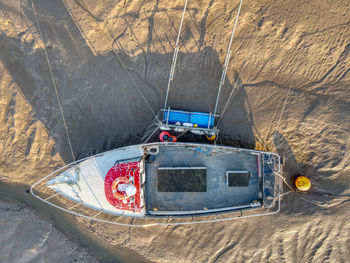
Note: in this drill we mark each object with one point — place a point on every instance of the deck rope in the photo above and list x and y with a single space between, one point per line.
284 180
54 82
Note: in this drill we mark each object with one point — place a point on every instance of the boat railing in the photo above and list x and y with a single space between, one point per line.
272 184
83 212
122 218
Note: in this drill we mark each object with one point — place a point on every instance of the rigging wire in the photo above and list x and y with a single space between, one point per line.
282 111
227 59
230 96
129 73
176 51
284 104
235 87
54 82
149 137
120 60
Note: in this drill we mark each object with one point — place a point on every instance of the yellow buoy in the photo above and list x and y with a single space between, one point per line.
303 183
195 125
211 137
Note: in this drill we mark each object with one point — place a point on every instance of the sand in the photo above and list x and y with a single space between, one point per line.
27 238
291 64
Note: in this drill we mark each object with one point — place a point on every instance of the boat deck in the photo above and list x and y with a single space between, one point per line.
216 195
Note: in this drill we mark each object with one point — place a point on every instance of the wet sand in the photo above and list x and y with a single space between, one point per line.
290 62
47 234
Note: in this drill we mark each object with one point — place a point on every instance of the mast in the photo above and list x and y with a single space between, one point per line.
227 59
176 51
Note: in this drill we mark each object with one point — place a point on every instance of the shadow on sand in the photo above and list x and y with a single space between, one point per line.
102 107
318 198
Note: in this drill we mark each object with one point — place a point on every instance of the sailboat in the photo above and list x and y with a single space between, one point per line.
170 182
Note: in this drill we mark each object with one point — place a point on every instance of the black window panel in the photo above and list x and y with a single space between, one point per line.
182 180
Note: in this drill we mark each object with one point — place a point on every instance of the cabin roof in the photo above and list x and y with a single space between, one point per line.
217 193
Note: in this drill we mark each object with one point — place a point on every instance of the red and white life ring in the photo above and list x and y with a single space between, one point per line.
118 194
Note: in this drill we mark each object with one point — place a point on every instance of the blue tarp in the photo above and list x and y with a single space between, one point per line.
199 118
